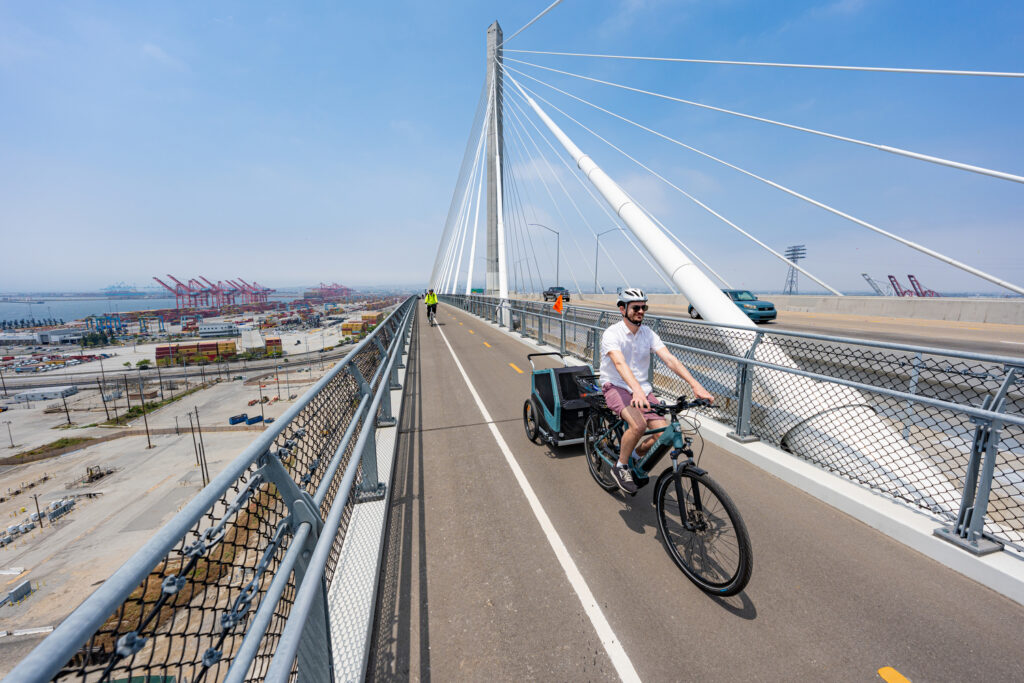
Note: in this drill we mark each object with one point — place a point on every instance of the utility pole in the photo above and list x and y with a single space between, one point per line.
126 397
195 447
160 380
67 413
9 435
202 447
103 398
39 515
3 382
278 376
145 419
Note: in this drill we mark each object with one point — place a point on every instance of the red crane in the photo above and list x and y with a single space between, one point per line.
179 291
899 290
919 289
193 296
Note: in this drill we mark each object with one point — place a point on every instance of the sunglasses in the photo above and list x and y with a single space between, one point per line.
634 309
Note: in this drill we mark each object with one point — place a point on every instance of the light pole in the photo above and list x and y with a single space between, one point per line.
597 243
9 435
558 246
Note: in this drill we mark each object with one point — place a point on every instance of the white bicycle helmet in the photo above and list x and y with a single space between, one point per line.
631 294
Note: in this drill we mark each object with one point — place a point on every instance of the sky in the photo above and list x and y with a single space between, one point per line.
293 143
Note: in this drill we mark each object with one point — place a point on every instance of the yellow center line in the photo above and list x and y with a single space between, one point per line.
460 323
487 345
472 332
513 366
891 675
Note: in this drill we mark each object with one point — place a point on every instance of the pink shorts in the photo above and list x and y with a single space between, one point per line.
618 399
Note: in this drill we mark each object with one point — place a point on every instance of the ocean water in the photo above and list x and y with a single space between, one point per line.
76 310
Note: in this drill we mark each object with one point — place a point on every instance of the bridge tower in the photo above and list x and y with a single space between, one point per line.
497 274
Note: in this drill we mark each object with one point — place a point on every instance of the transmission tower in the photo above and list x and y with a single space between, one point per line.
794 254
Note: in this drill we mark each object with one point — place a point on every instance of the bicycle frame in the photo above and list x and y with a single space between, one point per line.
671 441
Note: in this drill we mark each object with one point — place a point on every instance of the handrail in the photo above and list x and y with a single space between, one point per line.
52 654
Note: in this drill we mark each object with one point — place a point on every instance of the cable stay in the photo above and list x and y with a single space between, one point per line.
513 190
531 22
482 110
476 231
564 222
833 67
690 197
883 148
853 219
462 222
523 188
616 221
551 170
657 271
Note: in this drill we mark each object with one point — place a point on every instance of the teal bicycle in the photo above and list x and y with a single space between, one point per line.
700 526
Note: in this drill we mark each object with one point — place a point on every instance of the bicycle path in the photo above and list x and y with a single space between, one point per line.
472 589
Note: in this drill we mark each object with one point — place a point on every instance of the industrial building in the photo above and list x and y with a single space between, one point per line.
44 394
218 330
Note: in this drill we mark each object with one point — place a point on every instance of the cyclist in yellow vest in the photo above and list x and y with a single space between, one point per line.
431 301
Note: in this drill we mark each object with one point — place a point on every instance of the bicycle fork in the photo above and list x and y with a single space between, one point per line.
677 481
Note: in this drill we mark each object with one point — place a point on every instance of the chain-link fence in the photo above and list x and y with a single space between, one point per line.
939 429
211 595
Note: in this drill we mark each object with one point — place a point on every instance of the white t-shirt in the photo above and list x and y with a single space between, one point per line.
636 348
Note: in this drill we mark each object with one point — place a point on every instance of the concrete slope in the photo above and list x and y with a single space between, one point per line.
830 597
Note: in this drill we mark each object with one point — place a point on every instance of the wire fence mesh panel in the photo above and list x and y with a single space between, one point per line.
906 429
202 584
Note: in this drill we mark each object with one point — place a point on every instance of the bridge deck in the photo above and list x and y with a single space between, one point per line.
471 588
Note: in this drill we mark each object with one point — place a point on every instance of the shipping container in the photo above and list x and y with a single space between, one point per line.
254 419
235 419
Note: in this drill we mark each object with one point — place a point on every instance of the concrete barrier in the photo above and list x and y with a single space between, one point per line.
975 310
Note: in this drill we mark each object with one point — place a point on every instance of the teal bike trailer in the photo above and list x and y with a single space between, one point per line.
556 411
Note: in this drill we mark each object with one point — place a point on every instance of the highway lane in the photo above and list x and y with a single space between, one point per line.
991 338
830 598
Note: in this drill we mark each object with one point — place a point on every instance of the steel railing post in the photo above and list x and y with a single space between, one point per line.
540 329
969 530
744 394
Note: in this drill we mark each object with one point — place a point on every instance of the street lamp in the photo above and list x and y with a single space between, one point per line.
558 240
597 243
8 423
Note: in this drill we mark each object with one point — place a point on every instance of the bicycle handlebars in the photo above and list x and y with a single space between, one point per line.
680 406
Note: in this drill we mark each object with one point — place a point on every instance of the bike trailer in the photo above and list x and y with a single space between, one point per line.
556 410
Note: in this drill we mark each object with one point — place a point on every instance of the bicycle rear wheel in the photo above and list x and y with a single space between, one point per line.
597 435
710 544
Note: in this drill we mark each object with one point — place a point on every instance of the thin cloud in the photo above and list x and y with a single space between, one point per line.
157 54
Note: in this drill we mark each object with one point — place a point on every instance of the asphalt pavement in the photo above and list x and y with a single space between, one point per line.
472 589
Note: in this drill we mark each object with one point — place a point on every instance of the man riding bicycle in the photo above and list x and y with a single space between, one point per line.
626 349
431 301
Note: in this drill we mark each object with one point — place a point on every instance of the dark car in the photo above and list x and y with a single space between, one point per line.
757 310
552 293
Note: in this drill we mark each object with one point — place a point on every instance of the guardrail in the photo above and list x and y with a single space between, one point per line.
234 587
942 430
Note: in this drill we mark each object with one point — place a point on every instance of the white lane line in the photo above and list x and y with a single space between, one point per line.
611 643
1003 341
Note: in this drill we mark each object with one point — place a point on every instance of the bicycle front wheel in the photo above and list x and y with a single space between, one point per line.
703 533
598 436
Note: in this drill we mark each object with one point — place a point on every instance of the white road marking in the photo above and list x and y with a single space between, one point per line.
1010 342
611 643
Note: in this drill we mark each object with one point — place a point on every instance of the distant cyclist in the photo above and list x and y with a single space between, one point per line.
626 349
431 301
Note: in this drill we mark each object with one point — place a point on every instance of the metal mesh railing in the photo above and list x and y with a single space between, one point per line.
922 425
183 605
